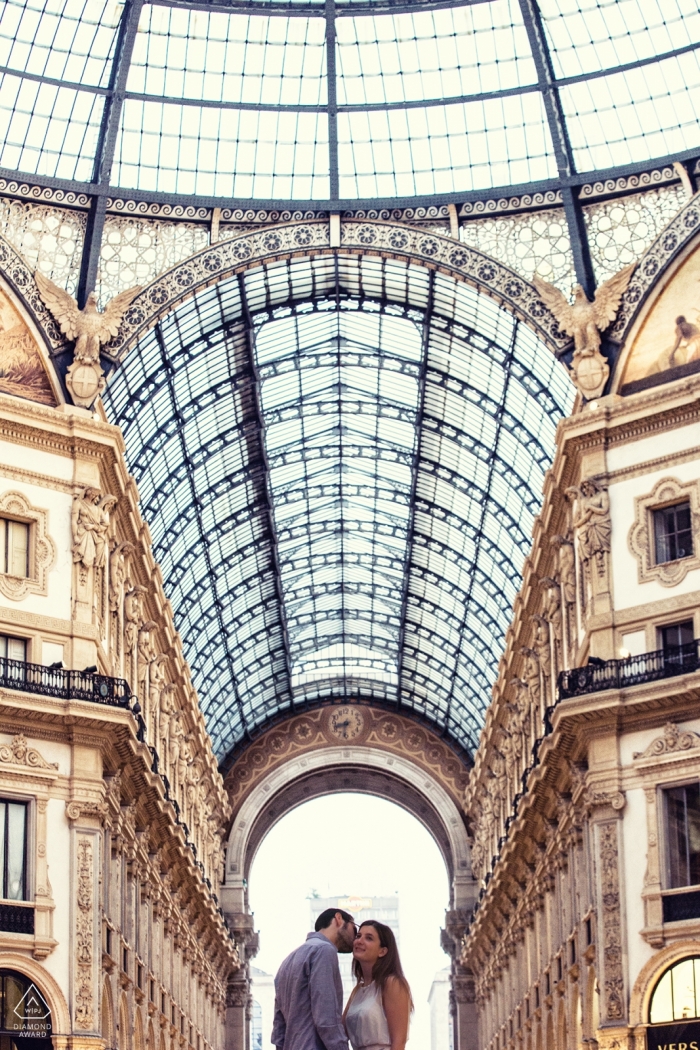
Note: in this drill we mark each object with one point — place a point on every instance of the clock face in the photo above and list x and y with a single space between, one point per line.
346 723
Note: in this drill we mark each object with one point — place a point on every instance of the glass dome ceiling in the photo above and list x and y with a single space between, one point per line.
345 101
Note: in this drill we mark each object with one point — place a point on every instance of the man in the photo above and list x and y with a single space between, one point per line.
308 989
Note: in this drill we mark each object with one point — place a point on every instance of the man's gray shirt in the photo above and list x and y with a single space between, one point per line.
309 999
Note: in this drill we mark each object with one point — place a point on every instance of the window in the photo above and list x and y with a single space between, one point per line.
673 534
677 995
13 845
13 648
14 547
683 835
676 634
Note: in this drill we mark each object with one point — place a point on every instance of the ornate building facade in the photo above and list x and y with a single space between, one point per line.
349 442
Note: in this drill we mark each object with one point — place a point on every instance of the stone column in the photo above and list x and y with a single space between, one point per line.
462 999
238 988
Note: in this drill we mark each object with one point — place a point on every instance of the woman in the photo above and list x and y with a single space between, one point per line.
377 1013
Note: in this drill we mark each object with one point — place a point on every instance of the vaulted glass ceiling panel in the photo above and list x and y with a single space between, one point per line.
586 36
341 498
48 130
400 152
71 40
630 115
218 57
439 54
222 152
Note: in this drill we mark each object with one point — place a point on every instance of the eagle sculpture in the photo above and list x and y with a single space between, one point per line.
89 328
584 321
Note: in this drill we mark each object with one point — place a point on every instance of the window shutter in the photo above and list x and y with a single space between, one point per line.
18 548
16 649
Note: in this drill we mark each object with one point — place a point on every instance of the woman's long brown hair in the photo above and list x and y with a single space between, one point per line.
388 965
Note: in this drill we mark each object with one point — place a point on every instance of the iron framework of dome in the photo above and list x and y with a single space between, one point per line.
340 456
345 105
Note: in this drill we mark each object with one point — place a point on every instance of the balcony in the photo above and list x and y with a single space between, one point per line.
635 670
65 685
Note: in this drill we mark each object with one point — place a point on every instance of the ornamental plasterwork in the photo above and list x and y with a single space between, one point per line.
529 243
19 753
50 239
671 741
135 250
620 231
387 240
42 549
356 725
84 934
21 277
663 250
641 536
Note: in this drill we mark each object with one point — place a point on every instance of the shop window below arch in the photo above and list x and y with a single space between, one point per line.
676 996
25 1016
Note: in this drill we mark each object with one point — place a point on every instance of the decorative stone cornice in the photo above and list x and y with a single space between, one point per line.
19 753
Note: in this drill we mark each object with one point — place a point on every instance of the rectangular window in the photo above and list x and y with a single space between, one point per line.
683 835
676 634
13 846
673 534
13 648
14 547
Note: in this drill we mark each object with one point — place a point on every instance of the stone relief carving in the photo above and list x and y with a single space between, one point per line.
84 935
19 753
672 740
89 330
641 541
584 321
609 888
90 525
42 549
592 521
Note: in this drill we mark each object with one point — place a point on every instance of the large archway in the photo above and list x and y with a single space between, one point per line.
392 758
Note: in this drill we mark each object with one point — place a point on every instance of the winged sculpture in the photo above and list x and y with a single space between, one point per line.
584 321
89 329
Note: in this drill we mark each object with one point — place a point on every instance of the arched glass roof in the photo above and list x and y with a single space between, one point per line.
340 459
339 101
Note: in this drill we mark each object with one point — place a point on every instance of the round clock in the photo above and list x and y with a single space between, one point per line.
346 723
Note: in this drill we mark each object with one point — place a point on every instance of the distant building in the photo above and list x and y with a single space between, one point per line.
262 989
441 1026
384 909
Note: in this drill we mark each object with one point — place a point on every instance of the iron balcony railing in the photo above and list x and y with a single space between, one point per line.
66 685
634 670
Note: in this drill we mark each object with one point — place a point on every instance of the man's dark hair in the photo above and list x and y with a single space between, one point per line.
326 918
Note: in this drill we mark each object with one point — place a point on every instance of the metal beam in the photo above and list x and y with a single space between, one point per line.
410 528
482 518
106 144
203 538
560 140
256 445
332 94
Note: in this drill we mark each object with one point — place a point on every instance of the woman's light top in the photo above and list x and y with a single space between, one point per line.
366 1021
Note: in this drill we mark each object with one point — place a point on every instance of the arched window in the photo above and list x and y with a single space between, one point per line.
677 994
256 1033
25 1017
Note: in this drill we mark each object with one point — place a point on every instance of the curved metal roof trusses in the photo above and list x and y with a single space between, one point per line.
340 458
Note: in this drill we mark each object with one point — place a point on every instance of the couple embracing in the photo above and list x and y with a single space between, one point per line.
309 993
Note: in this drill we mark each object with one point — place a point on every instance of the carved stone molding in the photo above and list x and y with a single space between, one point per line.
672 740
665 493
18 753
613 997
318 729
78 808
84 934
42 549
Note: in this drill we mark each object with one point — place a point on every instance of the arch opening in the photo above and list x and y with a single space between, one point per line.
372 856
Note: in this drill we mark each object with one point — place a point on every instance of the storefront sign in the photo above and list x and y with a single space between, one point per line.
683 1035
